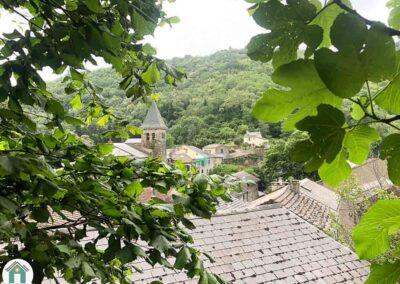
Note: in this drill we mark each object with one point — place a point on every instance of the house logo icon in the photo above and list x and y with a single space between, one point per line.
17 271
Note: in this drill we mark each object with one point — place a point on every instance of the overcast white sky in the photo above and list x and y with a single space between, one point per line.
210 25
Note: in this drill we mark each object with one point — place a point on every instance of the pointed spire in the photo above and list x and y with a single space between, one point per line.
154 119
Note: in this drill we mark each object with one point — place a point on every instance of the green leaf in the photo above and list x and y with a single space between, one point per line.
325 20
6 166
160 243
152 74
93 5
371 235
134 189
109 209
390 150
73 120
258 48
126 82
335 172
39 253
174 20
386 273
182 258
142 26
54 107
129 253
75 75
88 270
8 204
40 214
389 97
103 120
76 102
72 5
105 148
348 33
358 141
326 131
394 18
312 38
342 73
357 113
379 56
64 249
288 25
307 91
134 130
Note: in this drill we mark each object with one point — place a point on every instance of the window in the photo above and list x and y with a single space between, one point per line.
148 136
222 151
163 135
153 136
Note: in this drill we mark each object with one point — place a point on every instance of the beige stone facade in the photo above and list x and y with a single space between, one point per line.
155 139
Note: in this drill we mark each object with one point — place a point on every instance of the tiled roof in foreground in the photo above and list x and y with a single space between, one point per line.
267 244
312 202
306 207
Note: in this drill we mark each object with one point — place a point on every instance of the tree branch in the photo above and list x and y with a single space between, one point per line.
375 118
390 30
65 225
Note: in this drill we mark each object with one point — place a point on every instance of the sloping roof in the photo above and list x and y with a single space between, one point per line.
181 156
313 202
306 207
236 203
243 176
265 245
253 134
122 149
240 153
212 146
373 174
153 119
320 193
133 141
197 150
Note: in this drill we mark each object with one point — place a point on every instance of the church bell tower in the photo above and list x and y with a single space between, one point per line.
154 134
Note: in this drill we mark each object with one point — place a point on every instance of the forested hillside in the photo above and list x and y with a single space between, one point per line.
212 105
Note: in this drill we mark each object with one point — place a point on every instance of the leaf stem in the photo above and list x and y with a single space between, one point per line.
320 11
370 98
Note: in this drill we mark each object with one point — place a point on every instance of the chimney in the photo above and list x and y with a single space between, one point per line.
275 185
295 186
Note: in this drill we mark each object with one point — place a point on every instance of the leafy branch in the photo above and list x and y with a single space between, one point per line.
372 115
391 31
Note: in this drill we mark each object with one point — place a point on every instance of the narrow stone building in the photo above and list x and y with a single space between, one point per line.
154 134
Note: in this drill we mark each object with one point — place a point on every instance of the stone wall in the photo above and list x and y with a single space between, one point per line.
155 139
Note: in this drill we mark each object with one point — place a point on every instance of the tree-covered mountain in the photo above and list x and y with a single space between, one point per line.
213 105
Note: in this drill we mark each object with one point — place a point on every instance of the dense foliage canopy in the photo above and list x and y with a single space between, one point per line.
344 54
54 187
